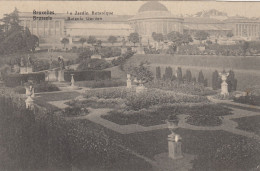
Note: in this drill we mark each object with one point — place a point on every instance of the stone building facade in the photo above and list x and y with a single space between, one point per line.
151 17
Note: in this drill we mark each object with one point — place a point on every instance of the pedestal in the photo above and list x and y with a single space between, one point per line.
128 81
224 89
52 76
29 102
61 76
174 147
29 70
23 70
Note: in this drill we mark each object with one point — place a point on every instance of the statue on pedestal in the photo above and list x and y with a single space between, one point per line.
30 95
62 67
174 140
224 85
128 81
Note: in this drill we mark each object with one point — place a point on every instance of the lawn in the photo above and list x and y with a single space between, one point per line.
44 100
247 70
251 124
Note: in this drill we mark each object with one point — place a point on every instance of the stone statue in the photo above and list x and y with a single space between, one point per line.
224 85
29 62
22 62
61 62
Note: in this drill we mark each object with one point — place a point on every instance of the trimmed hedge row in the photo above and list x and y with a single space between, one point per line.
87 75
14 80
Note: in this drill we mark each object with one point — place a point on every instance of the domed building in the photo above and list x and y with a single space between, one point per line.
155 17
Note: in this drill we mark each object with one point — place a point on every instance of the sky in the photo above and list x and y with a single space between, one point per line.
248 9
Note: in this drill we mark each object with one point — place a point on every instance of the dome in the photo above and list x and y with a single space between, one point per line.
152 6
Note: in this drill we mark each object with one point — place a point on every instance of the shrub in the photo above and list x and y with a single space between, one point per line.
216 81
40 65
75 111
188 75
101 83
93 64
87 75
201 78
85 55
141 72
231 81
158 73
168 73
42 87
13 80
179 74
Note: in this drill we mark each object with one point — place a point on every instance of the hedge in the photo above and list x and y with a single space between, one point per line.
13 80
87 75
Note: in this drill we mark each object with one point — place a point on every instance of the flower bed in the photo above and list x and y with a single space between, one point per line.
109 93
187 87
158 115
94 102
158 97
74 111
251 100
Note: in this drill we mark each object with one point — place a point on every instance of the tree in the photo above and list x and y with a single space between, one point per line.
168 73
245 47
231 81
85 55
175 37
188 75
134 38
82 40
11 22
158 37
158 73
201 78
99 43
141 72
179 74
230 34
92 40
65 41
215 80
112 39
201 35
186 39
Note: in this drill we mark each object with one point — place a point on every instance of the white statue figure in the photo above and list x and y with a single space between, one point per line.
128 81
30 94
224 85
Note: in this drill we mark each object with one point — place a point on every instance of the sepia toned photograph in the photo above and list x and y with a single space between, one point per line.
129 86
